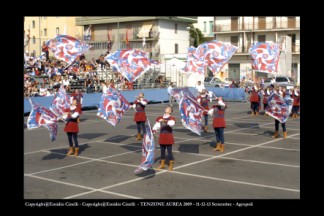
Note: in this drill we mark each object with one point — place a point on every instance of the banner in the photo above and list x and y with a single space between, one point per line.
148 147
278 107
112 106
40 116
265 57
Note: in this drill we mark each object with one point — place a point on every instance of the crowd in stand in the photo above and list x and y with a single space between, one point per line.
51 73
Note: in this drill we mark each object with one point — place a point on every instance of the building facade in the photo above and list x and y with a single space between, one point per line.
243 31
206 26
41 29
159 36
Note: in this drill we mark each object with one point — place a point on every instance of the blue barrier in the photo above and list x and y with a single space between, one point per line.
152 95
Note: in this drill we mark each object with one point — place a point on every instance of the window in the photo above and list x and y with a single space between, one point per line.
41 32
34 40
175 28
234 40
176 48
33 24
205 26
44 18
57 30
281 79
261 38
45 32
211 26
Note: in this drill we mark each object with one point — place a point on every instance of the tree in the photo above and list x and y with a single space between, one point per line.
193 34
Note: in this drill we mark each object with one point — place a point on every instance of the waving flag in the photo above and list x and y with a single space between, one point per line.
177 93
195 63
112 106
40 116
131 63
217 54
191 114
279 107
60 103
214 54
265 57
67 48
147 149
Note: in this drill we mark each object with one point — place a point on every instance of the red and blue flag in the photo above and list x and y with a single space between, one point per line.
112 106
130 63
265 56
147 149
67 48
60 103
278 107
40 116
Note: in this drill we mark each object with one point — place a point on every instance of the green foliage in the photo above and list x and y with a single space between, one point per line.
193 34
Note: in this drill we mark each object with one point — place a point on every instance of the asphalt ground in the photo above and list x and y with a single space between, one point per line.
253 166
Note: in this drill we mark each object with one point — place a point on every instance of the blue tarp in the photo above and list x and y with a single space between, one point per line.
152 95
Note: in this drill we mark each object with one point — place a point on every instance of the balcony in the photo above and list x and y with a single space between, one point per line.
258 26
295 48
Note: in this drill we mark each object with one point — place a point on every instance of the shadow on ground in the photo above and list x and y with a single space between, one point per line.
90 135
61 153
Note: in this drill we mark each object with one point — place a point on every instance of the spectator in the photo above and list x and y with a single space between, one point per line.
88 84
49 92
66 83
200 87
45 50
42 90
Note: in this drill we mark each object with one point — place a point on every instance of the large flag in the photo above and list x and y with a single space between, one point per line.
147 149
195 63
265 56
112 106
130 63
217 54
279 107
67 48
40 116
214 54
177 93
191 114
87 34
60 103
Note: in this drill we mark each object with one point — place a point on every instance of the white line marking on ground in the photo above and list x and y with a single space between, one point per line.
87 158
262 162
239 150
81 186
118 184
213 157
238 182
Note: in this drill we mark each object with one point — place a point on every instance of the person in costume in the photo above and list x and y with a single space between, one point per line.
219 124
140 116
283 125
71 128
266 93
296 96
255 100
203 101
78 96
165 124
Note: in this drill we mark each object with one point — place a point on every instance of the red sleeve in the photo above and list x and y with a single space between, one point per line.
135 102
158 118
173 118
